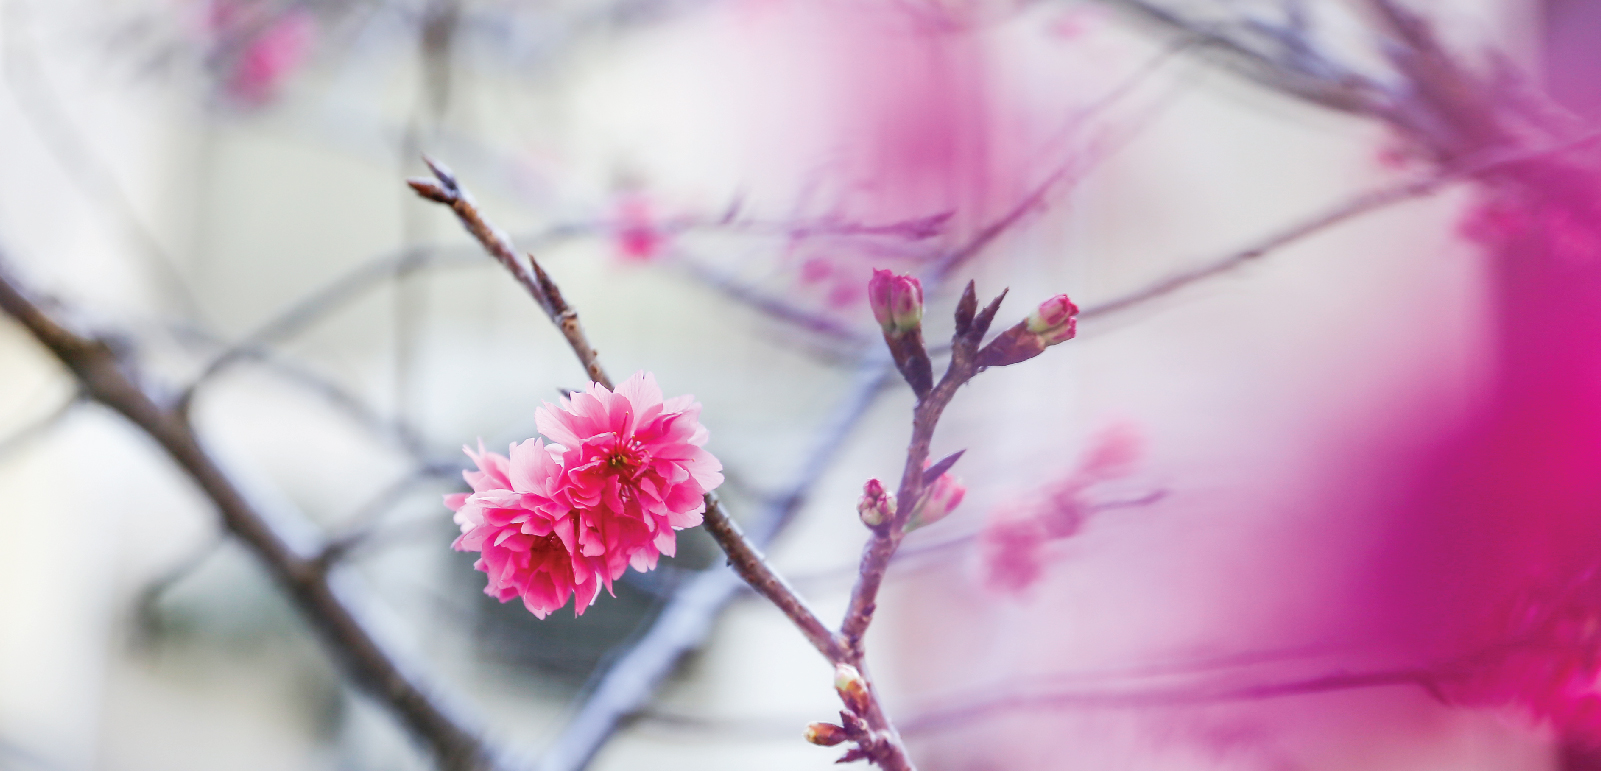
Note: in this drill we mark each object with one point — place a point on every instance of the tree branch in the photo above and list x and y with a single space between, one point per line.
103 379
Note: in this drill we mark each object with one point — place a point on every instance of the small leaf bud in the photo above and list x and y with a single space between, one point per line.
852 688
825 734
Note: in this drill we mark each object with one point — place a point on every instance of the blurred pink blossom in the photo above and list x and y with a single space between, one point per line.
638 234
258 53
1012 546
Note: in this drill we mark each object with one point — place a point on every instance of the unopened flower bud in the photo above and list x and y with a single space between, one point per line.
941 498
877 505
852 688
825 734
897 302
1055 320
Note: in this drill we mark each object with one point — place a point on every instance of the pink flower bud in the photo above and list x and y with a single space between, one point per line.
897 302
825 734
941 498
852 688
1055 321
877 505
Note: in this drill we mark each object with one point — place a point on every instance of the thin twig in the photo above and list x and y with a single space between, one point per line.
970 708
369 666
1361 204
407 437
772 306
1074 168
1300 71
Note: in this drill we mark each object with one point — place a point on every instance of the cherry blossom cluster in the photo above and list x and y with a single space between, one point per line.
625 471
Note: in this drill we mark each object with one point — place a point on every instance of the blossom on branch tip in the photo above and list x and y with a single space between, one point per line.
897 301
558 520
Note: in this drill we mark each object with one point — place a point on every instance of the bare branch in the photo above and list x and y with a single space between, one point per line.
971 708
685 622
775 307
103 379
1489 164
743 555
1282 62
1073 169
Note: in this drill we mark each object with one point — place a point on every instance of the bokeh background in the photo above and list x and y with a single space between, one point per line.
711 182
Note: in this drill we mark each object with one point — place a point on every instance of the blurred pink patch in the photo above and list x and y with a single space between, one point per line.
632 469
259 52
638 236
1012 546
1548 662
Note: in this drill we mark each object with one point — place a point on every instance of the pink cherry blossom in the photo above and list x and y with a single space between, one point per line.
524 534
632 470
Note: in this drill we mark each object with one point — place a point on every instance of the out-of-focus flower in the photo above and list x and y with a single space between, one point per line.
897 302
1012 546
1545 660
259 53
632 470
524 535
638 235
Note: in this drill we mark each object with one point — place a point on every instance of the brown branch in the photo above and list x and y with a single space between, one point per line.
744 556
1298 69
444 189
684 623
103 379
